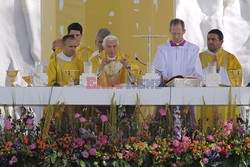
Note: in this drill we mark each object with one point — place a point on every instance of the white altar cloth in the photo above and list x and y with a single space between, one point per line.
39 96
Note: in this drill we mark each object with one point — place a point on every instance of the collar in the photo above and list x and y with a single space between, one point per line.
111 58
212 53
64 57
172 43
103 55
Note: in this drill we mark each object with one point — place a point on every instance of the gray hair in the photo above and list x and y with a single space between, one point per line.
103 32
110 38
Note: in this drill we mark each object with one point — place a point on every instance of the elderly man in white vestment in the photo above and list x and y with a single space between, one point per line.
178 57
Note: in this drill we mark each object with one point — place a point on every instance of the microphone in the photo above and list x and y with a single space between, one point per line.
136 58
56 83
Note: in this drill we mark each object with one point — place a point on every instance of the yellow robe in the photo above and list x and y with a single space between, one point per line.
121 76
82 53
57 68
213 116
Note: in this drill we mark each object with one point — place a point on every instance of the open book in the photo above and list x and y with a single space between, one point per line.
181 76
170 82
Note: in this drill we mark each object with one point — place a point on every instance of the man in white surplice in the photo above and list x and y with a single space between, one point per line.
179 57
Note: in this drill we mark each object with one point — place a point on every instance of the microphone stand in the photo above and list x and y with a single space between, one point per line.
56 84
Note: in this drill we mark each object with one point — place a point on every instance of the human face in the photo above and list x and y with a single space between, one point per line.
111 48
213 43
77 35
98 42
177 33
69 47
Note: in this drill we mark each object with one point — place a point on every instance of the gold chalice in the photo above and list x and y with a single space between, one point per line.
27 79
12 75
71 74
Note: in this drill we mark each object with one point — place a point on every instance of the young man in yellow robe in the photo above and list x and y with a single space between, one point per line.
65 67
115 68
230 70
83 53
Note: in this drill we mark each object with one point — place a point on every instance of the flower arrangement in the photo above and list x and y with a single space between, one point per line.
92 143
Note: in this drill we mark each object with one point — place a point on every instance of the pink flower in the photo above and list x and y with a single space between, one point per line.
205 160
162 111
80 142
74 157
29 121
229 126
77 115
32 146
30 126
210 137
85 154
14 159
145 126
10 163
9 143
7 124
185 139
154 145
240 130
227 132
104 118
176 143
103 140
218 149
179 150
82 119
92 151
224 123
173 165
208 153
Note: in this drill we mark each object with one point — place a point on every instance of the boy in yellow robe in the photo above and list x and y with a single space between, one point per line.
230 70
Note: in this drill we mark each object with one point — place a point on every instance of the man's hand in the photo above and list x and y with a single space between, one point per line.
165 79
125 62
105 61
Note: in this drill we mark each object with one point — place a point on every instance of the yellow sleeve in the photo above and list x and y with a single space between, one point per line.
95 64
234 71
53 55
83 53
53 72
135 69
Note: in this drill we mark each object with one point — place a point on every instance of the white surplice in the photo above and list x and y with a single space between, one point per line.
178 60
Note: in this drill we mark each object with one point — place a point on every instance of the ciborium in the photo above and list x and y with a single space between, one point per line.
12 75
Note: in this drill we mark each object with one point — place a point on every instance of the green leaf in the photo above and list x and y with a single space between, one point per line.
243 163
81 163
202 164
53 158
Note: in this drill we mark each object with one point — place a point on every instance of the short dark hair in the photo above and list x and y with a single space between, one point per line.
176 22
218 32
75 26
66 37
103 32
